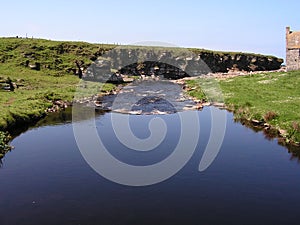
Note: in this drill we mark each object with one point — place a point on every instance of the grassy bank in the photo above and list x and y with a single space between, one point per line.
55 79
37 90
36 93
272 98
4 143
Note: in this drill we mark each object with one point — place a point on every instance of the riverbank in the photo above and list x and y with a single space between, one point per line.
38 76
269 101
263 101
36 96
4 143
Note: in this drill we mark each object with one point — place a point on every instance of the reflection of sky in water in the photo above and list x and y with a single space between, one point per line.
45 180
139 127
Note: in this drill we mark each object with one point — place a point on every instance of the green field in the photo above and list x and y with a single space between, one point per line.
273 98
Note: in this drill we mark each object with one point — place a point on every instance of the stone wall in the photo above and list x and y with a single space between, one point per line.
293 59
292 50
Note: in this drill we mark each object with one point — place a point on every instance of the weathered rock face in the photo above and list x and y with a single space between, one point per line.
175 63
101 70
240 61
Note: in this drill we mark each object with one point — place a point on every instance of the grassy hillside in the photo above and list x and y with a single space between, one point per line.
56 56
37 89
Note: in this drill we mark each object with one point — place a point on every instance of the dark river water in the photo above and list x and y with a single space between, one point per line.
46 180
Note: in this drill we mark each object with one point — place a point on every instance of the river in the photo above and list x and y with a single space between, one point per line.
45 179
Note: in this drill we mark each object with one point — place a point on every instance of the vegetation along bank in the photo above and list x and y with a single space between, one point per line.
40 76
267 100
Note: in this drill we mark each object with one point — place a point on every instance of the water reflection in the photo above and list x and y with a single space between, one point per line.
65 117
52 120
271 134
45 180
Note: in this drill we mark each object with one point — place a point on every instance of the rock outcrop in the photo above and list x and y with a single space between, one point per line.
175 63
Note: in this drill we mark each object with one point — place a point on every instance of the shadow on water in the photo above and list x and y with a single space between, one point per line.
272 134
52 119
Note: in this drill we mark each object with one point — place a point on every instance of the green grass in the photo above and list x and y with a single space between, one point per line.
256 96
205 89
194 89
270 97
4 143
34 96
38 89
57 56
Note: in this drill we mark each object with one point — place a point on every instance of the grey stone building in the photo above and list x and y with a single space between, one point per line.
292 50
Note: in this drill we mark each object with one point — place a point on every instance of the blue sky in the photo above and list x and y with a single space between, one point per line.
253 26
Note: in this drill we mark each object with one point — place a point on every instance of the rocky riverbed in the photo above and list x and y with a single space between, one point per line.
147 96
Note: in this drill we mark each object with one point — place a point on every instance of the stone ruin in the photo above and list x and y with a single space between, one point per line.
292 50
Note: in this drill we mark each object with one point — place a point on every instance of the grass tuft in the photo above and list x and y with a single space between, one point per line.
270 116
